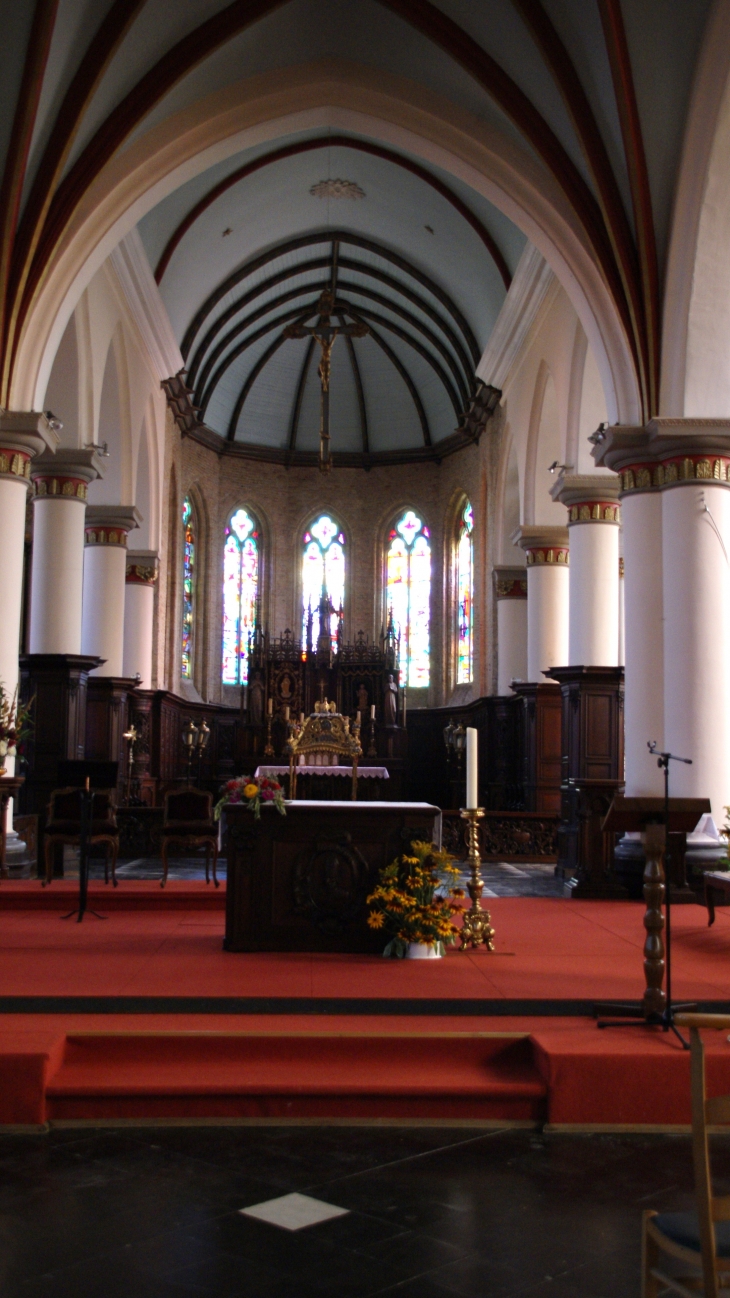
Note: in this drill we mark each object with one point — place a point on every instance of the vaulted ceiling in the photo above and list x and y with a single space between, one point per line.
244 251
594 91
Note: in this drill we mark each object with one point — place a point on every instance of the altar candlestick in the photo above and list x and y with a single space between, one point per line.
472 798
301 718
357 718
286 713
372 711
270 707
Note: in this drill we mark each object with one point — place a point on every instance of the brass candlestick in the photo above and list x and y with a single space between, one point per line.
372 750
130 736
477 927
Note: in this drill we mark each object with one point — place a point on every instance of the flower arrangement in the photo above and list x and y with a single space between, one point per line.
415 899
15 725
252 792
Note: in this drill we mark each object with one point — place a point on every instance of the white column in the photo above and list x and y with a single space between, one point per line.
676 520
105 566
697 639
621 611
23 435
593 524
644 640
547 597
139 610
510 588
59 510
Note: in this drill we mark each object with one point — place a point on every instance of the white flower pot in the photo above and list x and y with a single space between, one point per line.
424 951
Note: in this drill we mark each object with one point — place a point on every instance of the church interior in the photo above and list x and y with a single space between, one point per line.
364 590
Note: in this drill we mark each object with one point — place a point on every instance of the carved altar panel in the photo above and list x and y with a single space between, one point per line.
299 882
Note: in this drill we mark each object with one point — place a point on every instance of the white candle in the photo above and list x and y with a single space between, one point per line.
472 769
372 711
286 713
357 718
270 706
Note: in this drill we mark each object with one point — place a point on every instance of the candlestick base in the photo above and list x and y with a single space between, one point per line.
477 926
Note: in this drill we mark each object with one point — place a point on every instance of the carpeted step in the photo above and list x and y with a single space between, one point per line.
130 895
203 1074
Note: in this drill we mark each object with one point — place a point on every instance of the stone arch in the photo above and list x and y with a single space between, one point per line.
695 378
341 97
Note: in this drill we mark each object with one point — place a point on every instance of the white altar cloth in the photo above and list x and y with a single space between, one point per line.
363 772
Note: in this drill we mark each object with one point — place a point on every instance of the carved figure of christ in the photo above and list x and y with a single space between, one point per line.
325 333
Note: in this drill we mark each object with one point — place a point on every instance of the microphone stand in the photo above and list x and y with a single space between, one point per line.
665 1020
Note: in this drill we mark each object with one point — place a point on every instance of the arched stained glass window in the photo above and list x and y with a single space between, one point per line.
465 595
188 600
241 558
323 567
408 581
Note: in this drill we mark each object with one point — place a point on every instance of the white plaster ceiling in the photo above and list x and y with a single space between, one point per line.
400 214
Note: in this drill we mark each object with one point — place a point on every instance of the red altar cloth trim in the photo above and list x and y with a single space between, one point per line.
363 772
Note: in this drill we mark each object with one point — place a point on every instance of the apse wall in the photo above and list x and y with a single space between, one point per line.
365 503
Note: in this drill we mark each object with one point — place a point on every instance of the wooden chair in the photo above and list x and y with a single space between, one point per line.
700 1239
63 827
188 821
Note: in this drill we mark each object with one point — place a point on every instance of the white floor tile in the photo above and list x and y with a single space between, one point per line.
294 1211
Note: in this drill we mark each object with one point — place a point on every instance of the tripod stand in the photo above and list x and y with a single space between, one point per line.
649 1014
86 797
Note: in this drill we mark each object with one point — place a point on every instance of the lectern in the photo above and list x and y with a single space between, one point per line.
647 816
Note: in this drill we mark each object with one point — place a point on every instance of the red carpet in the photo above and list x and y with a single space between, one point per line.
71 1066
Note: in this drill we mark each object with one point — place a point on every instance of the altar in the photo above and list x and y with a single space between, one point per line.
299 882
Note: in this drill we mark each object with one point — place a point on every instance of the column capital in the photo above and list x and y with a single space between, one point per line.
589 497
509 582
24 434
543 543
67 473
666 452
141 567
109 524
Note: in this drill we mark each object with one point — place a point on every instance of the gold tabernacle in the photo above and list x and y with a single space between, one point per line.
325 735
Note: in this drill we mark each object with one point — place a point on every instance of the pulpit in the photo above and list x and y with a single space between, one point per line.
300 882
647 816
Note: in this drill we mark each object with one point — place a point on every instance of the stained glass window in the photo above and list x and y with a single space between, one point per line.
241 554
408 581
464 595
323 564
188 608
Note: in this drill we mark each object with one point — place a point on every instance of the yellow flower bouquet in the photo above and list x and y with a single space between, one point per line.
415 900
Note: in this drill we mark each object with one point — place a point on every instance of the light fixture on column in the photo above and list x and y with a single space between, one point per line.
557 465
54 422
102 449
599 435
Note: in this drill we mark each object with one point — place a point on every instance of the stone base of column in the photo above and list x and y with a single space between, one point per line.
585 852
58 683
592 749
106 721
541 745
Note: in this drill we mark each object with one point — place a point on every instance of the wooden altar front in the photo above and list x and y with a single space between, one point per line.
299 882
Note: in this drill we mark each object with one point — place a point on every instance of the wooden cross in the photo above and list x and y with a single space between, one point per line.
325 333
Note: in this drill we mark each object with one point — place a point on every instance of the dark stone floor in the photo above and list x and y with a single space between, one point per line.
432 1212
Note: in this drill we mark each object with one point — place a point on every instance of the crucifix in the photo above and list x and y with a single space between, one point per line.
325 333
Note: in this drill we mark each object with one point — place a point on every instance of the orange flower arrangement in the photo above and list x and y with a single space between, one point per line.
416 898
